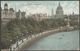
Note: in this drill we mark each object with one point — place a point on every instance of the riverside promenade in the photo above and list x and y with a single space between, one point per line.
32 39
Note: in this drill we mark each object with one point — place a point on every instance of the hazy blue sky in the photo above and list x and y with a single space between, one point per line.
43 6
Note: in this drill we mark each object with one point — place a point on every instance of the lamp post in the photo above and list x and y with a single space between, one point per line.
10 45
68 22
27 35
78 22
65 20
17 41
22 37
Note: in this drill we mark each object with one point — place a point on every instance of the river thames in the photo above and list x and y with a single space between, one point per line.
58 41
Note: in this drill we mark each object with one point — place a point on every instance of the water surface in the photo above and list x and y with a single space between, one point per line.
58 41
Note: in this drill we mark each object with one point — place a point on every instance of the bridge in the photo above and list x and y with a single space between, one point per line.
31 39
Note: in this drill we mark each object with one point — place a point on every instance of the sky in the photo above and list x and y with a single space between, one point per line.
32 7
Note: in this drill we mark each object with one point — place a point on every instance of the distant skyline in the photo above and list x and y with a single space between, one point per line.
43 6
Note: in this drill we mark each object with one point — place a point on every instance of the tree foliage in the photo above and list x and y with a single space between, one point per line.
26 27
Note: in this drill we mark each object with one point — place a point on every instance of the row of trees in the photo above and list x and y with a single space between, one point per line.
20 28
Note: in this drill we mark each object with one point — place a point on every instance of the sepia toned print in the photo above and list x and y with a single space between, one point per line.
39 25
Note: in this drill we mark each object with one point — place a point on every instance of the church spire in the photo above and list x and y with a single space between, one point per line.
59 3
15 7
52 12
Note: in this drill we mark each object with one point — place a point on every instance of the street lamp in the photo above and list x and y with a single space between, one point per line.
10 45
26 35
17 41
22 37
68 22
78 22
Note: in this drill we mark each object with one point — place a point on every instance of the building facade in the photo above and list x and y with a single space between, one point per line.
8 14
39 17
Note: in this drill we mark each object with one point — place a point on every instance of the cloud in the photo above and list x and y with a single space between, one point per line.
70 6
33 9
43 6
